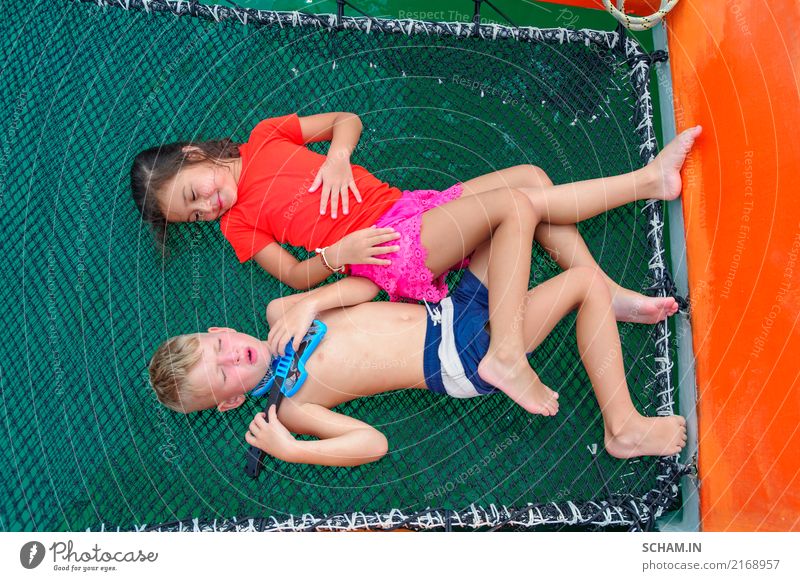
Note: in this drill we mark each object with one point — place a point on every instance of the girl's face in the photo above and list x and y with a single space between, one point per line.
201 192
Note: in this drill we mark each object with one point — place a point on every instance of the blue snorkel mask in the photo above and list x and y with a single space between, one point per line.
291 367
285 376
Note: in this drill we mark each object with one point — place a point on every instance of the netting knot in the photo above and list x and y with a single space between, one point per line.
657 56
666 284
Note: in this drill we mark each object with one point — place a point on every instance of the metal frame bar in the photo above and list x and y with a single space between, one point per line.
687 519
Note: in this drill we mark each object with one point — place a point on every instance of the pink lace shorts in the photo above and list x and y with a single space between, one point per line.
407 276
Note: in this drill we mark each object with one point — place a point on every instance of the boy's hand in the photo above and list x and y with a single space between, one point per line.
292 326
363 247
336 177
271 437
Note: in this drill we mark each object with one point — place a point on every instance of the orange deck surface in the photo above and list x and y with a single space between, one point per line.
736 70
735 66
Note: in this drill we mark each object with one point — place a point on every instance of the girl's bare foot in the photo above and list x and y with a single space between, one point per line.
517 380
667 165
641 436
632 307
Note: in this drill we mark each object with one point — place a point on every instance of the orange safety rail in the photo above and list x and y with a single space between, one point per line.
638 7
735 71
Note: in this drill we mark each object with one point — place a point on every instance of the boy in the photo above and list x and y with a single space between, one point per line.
376 347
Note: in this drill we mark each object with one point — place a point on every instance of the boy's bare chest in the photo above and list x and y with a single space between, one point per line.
359 358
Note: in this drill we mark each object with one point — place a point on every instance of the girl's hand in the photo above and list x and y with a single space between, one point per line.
292 326
272 436
336 177
362 247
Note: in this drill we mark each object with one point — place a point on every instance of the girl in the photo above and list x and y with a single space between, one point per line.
263 192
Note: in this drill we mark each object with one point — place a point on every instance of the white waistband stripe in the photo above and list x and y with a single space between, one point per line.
455 381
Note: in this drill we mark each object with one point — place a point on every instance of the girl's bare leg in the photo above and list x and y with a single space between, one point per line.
453 231
578 201
566 246
627 433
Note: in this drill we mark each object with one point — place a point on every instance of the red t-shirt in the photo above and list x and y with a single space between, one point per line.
274 204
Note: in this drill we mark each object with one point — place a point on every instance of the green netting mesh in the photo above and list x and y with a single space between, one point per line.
87 297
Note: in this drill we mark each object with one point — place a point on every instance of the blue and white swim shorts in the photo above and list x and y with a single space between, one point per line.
456 339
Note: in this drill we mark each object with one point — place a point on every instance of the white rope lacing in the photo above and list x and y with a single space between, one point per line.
638 23
436 316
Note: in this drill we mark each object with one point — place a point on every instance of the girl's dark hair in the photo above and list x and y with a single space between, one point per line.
154 167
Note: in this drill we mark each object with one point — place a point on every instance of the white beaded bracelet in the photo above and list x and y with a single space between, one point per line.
321 252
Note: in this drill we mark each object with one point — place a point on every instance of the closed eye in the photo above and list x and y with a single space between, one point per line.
196 215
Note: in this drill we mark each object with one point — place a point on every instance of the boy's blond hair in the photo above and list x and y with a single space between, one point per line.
169 368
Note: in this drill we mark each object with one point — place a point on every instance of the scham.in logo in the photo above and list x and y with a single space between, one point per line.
31 554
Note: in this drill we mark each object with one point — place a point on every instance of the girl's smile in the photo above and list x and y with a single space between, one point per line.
202 192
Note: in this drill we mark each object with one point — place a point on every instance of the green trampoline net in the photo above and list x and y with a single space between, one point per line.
88 297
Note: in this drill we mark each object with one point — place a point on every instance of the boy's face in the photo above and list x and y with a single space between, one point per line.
231 365
200 192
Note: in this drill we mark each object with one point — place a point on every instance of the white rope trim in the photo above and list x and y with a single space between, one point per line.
600 513
639 23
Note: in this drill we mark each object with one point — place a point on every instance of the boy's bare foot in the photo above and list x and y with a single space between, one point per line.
667 165
641 436
632 307
517 380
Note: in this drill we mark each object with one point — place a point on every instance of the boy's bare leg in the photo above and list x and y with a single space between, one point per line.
507 219
627 433
566 246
